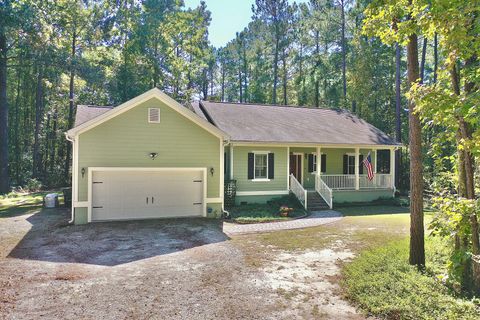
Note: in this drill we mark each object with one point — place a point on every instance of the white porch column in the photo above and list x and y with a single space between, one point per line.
319 161
376 161
392 167
357 169
231 161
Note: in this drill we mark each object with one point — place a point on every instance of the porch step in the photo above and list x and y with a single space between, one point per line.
315 202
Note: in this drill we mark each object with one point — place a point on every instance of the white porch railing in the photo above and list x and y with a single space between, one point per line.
347 181
339 181
379 181
298 190
324 191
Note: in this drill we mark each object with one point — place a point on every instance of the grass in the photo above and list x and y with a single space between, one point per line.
355 231
268 212
383 284
18 199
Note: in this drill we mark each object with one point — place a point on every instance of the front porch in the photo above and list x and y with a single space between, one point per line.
338 175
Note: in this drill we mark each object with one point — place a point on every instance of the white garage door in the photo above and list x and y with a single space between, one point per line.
122 195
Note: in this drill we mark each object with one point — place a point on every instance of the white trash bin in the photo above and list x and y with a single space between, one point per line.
51 200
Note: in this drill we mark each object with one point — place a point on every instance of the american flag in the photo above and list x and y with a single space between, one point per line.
367 162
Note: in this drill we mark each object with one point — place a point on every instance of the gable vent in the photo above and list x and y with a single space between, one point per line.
153 115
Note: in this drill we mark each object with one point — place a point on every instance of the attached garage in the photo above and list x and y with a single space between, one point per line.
146 193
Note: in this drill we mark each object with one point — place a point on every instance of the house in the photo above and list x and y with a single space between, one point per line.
152 157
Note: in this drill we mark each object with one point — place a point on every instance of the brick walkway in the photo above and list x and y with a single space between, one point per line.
316 218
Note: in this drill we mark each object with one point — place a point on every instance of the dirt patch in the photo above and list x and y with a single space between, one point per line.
304 280
161 269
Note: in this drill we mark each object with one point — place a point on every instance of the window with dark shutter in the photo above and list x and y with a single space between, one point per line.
271 165
345 164
360 164
324 163
251 165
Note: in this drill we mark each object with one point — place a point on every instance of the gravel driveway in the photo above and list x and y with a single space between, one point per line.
157 269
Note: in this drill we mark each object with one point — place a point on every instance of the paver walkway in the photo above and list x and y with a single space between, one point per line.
316 218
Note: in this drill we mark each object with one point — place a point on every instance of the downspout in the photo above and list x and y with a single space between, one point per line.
72 220
225 213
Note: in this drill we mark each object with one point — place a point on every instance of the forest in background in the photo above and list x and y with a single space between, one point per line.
57 54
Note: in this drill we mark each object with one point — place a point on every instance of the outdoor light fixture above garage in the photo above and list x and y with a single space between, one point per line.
153 155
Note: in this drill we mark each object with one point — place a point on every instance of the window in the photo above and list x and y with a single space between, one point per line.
314 162
153 115
351 165
261 166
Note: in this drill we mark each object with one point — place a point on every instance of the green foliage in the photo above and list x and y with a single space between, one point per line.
33 185
383 284
254 212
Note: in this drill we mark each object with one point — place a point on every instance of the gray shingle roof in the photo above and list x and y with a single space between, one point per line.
86 113
283 124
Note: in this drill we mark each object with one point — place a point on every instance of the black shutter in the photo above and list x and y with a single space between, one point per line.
360 164
345 164
324 163
271 166
310 163
250 165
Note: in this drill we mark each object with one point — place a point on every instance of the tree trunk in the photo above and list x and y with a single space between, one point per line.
275 68
398 120
417 233
223 81
284 64
245 73
4 175
71 108
344 52
240 85
435 57
38 123
317 57
54 140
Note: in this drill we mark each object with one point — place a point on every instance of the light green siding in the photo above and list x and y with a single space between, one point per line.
240 169
214 210
360 195
81 215
127 139
255 199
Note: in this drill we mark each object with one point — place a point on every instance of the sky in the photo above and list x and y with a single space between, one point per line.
228 18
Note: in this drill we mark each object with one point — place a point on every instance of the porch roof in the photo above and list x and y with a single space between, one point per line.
286 124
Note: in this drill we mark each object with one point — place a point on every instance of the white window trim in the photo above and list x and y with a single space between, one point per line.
148 115
255 179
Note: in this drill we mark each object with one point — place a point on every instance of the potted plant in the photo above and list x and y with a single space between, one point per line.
285 211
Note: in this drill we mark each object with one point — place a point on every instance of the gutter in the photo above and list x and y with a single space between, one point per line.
73 172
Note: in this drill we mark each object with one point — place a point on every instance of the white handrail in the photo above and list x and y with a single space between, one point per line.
323 190
298 190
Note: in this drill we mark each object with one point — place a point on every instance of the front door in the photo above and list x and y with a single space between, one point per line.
296 166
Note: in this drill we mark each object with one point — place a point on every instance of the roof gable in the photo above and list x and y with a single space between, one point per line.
283 124
102 116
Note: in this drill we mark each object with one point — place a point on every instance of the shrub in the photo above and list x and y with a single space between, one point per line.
33 185
382 282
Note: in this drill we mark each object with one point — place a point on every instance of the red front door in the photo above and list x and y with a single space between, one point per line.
296 166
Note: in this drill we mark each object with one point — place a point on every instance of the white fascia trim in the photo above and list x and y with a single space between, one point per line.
152 93
262 193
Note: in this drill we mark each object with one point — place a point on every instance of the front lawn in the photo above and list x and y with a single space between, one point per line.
268 212
383 284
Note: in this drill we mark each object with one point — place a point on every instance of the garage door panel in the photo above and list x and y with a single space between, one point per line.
121 195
